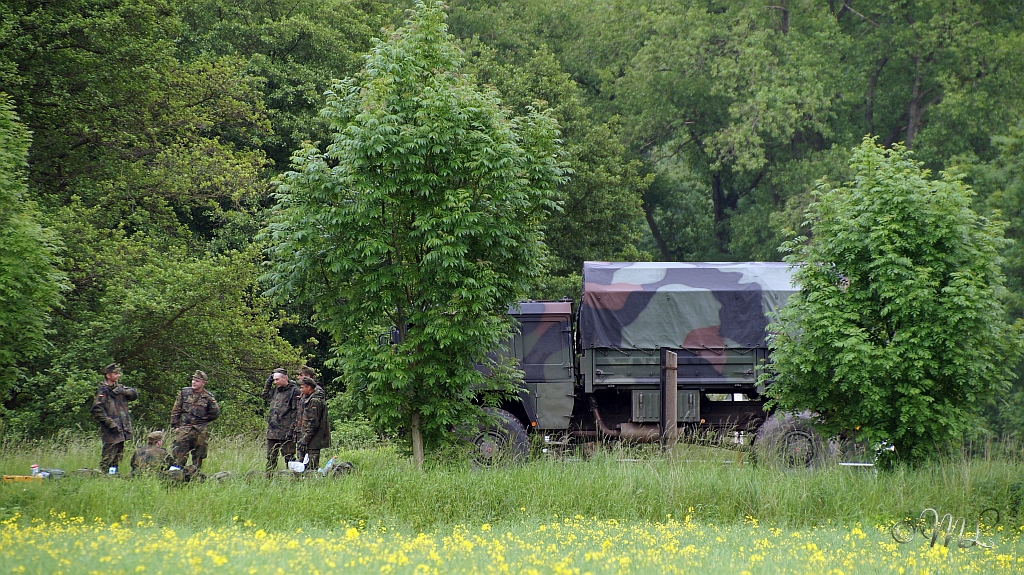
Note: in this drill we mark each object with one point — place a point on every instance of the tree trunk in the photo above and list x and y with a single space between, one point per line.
869 98
653 225
915 110
718 200
417 440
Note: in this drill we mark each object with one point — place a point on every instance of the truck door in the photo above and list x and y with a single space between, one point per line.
544 350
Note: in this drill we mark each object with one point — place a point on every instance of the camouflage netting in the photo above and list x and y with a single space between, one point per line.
685 305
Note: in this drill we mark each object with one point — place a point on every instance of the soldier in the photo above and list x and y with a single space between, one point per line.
194 408
308 373
283 396
313 426
152 458
110 408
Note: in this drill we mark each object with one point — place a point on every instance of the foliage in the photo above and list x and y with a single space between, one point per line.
145 166
423 214
161 317
749 98
934 73
121 123
30 281
694 129
1000 186
296 49
606 187
897 332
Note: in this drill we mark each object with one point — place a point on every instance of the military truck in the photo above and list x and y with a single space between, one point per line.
593 373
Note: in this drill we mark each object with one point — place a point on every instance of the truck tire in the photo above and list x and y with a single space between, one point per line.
789 441
504 440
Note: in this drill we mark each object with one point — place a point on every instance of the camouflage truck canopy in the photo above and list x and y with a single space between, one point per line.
681 305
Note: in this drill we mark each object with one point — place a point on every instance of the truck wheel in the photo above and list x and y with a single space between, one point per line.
503 440
789 441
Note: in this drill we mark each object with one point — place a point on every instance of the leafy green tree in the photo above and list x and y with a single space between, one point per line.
602 215
145 166
753 101
738 94
897 330
296 48
119 121
938 75
30 281
162 313
423 214
1000 186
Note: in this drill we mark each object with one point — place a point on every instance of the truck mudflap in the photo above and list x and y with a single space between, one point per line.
528 410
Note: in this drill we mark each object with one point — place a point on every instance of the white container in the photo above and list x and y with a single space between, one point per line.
296 466
35 469
112 470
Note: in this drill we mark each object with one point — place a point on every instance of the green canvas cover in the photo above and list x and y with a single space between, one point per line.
680 305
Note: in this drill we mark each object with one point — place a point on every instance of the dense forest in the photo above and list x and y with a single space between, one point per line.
141 142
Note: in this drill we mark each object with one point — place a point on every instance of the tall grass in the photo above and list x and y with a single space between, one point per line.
709 484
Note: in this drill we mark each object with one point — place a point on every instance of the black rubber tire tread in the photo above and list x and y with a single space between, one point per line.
512 442
775 439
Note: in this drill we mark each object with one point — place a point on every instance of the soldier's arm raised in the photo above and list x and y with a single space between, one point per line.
266 388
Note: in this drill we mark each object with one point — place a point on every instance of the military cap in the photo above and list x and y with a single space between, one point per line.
306 370
307 381
110 369
155 436
199 374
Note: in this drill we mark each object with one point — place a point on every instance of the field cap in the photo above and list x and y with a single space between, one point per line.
307 381
199 374
155 436
111 368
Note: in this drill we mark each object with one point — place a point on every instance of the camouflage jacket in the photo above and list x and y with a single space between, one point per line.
110 408
314 427
284 410
193 409
151 458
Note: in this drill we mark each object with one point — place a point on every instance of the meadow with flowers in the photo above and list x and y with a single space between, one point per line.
614 512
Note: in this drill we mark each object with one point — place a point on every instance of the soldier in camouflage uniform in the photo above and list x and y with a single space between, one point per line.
283 397
152 458
110 408
307 372
193 410
313 425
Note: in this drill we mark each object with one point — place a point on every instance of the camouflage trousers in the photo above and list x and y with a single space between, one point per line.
187 440
314 458
285 447
111 455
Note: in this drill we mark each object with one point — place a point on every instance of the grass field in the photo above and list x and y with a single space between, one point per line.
638 511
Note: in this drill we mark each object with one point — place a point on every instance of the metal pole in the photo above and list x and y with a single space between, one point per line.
669 394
